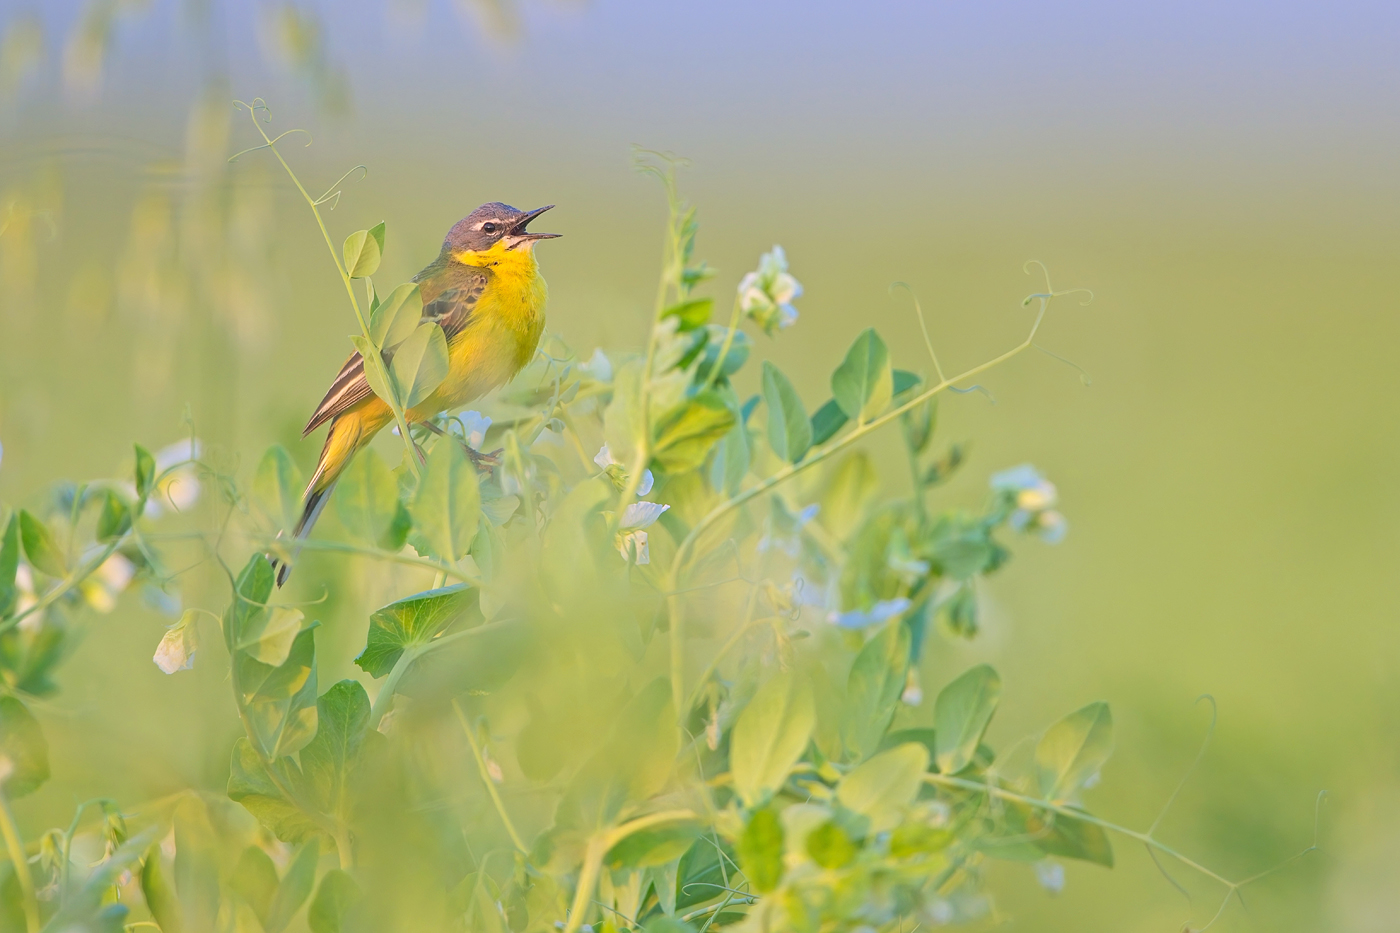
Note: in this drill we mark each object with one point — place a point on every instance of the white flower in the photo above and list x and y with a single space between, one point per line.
598 366
24 584
766 296
882 611
108 582
474 428
605 460
631 540
913 694
641 515
180 488
176 649
1051 875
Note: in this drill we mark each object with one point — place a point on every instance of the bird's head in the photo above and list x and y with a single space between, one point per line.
494 228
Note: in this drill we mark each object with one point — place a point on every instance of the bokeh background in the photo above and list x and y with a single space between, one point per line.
1221 175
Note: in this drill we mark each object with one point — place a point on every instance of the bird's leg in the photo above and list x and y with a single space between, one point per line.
483 462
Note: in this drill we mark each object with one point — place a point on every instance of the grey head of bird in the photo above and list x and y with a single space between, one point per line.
492 224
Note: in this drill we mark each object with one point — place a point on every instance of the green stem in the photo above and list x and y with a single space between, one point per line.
412 654
490 784
14 845
822 453
446 570
980 787
587 880
724 347
378 361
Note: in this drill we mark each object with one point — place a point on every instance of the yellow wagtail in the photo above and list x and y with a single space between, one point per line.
486 292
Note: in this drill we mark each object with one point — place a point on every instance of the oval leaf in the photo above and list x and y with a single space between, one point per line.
23 745
864 383
412 621
363 250
684 438
420 364
885 785
961 714
447 506
9 565
397 317
368 353
367 497
277 487
770 735
789 429
1073 750
873 688
40 547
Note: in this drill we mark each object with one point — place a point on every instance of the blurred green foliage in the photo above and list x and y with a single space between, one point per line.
660 691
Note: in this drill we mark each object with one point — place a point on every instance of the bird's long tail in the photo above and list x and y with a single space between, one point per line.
341 444
315 501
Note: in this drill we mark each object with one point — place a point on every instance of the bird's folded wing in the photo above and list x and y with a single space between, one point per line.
450 310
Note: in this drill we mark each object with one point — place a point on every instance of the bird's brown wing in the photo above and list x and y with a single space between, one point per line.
450 309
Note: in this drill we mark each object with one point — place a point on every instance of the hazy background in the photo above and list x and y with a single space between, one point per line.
1222 176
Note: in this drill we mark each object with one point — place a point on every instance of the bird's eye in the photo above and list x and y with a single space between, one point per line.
489 227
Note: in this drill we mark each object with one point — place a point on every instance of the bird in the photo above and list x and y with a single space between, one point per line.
486 292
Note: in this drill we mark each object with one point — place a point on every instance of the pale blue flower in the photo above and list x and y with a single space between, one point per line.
766 295
882 611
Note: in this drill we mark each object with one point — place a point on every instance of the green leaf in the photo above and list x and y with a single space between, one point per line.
826 421
1028 834
918 424
250 784
367 497
397 317
115 518
731 463
830 846
1073 750
789 429
145 471
691 314
281 701
667 925
686 435
961 714
873 688
761 850
883 787
655 846
268 636
420 363
9 565
362 251
254 879
160 893
22 743
368 353
447 506
904 380
864 384
277 487
327 762
335 898
295 888
770 736
622 419
850 491
734 359
631 765
40 547
416 620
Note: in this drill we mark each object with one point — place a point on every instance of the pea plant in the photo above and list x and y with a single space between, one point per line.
657 668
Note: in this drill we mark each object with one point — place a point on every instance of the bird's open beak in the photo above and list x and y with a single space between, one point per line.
519 234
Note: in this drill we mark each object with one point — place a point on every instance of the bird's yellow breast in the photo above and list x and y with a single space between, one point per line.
501 333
